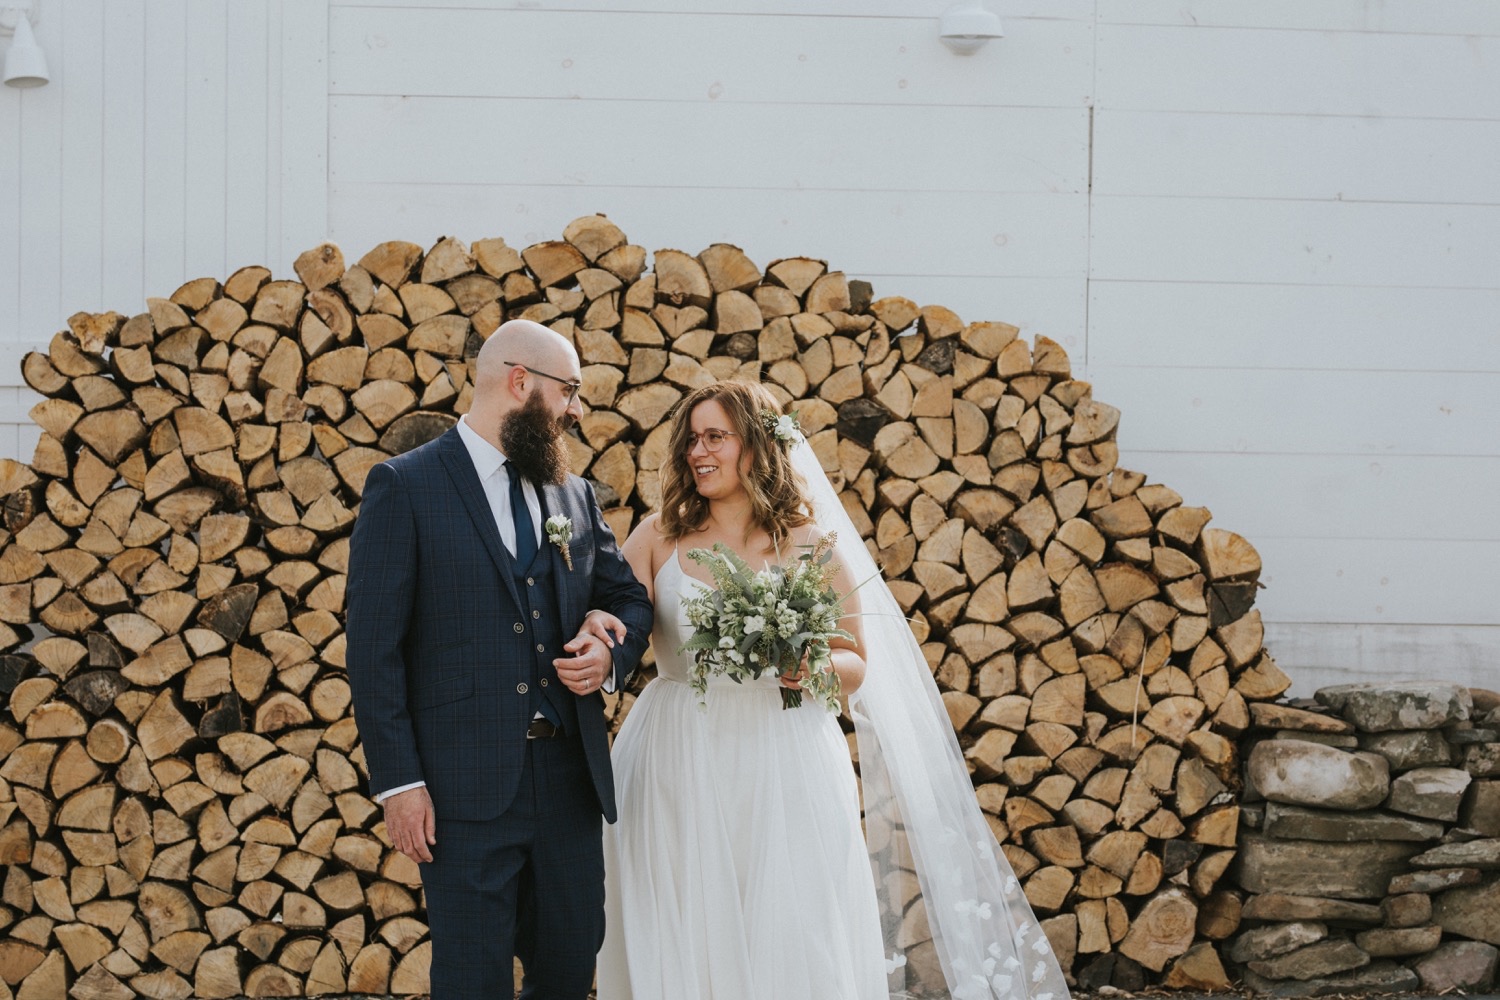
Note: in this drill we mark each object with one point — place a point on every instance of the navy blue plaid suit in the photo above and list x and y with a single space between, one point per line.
442 655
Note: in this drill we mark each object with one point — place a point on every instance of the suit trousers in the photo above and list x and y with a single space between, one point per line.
528 884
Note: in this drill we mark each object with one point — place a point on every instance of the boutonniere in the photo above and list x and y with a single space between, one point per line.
559 531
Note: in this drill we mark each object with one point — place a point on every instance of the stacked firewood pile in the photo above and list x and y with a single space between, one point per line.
182 803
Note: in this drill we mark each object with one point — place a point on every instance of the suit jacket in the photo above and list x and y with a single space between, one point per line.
438 647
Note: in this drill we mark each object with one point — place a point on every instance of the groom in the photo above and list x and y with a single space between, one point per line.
473 563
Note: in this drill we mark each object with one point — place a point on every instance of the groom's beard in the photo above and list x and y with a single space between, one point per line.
532 439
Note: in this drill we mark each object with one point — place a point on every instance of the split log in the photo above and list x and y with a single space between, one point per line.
1163 929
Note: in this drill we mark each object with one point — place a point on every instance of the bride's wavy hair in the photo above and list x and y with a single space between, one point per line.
778 496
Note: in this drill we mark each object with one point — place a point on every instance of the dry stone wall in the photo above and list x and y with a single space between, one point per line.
182 802
1371 849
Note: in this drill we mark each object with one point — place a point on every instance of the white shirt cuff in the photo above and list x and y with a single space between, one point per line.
397 791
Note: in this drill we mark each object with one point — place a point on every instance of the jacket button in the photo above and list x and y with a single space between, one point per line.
519 627
540 648
536 614
521 689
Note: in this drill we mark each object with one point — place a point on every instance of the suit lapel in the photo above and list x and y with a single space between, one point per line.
460 469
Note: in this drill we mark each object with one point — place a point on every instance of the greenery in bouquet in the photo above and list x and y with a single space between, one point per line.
755 621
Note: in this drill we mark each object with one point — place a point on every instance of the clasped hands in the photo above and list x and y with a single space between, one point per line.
592 661
409 818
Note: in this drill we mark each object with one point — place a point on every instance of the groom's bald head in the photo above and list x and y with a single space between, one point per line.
520 342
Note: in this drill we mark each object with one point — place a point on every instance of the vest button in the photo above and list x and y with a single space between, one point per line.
521 689
540 648
536 614
519 627
544 682
530 582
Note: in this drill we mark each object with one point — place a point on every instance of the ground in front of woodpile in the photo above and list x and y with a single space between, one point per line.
1109 994
1162 994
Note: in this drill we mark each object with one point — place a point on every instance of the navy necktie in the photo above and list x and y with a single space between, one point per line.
521 516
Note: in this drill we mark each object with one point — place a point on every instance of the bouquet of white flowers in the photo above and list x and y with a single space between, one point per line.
769 619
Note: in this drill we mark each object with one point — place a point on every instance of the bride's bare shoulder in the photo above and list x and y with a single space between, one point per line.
648 540
648 530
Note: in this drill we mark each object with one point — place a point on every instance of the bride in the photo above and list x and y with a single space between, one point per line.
738 869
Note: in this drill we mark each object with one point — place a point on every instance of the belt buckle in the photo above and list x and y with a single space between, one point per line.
540 729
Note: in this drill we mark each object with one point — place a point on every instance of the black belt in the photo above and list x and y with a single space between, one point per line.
542 729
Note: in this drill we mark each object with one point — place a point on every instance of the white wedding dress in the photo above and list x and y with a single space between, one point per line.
737 870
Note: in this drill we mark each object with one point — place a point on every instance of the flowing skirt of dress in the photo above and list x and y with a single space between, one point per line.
738 869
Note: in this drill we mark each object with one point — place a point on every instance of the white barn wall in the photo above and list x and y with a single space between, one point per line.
163 149
1269 232
1293 287
781 141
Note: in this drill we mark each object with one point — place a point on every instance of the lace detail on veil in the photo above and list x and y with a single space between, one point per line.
922 821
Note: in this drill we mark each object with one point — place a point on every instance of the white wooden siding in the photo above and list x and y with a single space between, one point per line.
1249 70
1268 231
701 58
1295 268
122 184
1420 17
158 153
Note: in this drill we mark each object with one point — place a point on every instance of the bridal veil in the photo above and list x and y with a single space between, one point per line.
945 889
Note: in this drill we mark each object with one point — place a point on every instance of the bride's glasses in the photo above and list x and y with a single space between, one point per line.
713 439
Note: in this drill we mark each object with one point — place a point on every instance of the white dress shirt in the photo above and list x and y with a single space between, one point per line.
489 464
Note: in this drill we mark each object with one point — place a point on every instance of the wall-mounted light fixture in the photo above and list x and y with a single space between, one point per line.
25 63
966 26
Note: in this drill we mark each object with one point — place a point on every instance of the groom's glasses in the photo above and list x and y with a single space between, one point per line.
571 386
713 439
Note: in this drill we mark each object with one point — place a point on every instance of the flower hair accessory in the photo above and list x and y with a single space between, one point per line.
782 426
559 530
